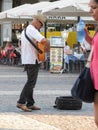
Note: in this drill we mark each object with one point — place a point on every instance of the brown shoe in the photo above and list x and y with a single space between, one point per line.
34 107
23 107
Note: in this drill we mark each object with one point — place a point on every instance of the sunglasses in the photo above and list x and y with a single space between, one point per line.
40 22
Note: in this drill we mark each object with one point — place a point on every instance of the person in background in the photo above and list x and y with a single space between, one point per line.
29 56
0 53
94 61
85 46
9 52
3 55
17 51
67 50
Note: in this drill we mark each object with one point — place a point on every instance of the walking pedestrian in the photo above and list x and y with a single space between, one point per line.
29 57
94 61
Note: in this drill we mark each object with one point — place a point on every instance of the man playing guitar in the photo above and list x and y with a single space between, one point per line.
29 56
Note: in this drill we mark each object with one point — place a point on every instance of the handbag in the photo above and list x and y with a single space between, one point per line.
83 87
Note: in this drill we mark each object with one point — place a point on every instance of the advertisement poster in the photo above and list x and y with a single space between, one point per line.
56 53
57 42
56 59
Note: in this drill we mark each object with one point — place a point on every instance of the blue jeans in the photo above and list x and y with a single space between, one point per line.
26 96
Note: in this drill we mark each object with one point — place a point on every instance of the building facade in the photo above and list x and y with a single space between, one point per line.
6 27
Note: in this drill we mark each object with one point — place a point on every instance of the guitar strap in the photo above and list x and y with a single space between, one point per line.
39 50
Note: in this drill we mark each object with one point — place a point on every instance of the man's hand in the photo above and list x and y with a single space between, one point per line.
46 44
88 37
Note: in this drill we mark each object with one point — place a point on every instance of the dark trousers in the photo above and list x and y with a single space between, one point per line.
26 96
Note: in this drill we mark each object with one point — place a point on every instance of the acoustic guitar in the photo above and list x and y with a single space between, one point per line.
42 56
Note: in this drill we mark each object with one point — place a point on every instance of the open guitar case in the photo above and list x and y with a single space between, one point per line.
67 103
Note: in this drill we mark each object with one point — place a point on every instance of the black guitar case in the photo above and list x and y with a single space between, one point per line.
67 103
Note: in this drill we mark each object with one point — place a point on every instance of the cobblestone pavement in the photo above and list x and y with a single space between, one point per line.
14 121
48 87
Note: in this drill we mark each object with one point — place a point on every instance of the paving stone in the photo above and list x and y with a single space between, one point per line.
14 121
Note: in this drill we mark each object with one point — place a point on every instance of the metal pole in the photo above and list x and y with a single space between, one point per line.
45 29
78 19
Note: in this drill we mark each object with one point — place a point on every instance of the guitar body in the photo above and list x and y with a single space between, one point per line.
41 56
45 48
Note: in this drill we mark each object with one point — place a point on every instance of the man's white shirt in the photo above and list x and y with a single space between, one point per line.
29 54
